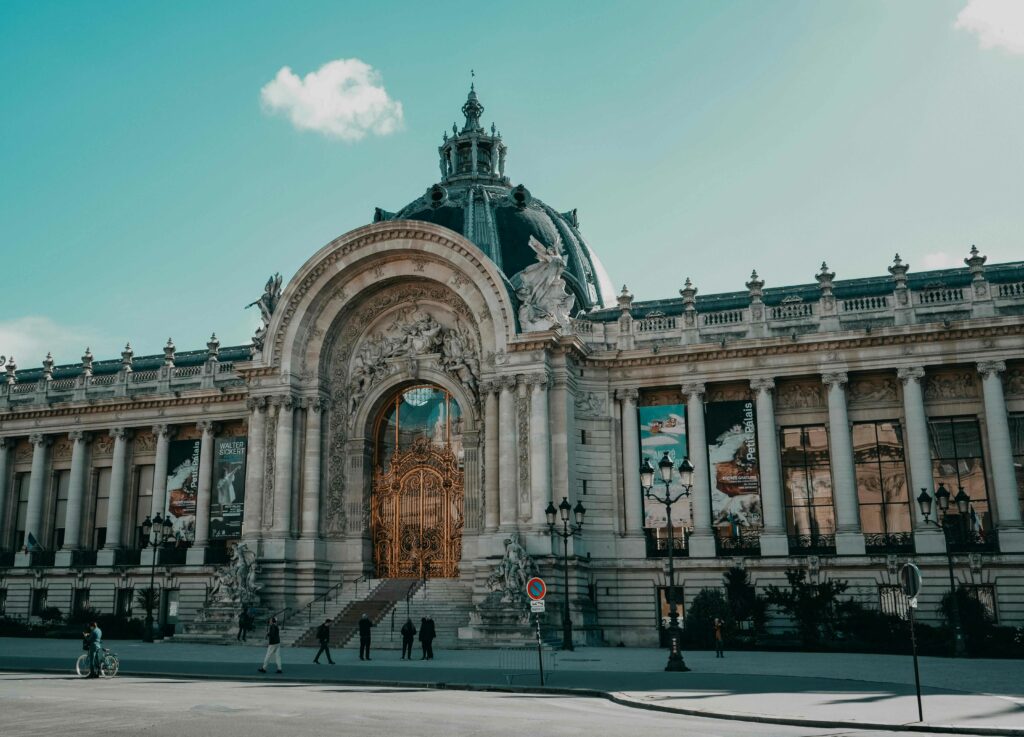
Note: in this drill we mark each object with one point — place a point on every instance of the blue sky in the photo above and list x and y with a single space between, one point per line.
147 192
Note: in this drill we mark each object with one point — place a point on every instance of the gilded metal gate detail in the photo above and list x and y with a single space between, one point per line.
416 514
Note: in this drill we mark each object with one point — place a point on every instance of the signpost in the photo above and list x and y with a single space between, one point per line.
910 583
536 589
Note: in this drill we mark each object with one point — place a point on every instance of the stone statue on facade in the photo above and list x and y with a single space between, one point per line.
543 298
508 580
235 584
266 303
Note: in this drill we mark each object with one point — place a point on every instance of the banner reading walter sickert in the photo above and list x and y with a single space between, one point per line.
663 428
228 503
183 487
731 429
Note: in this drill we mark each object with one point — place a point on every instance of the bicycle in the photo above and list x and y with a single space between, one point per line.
109 664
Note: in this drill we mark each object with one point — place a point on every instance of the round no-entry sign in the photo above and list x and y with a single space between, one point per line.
536 588
910 580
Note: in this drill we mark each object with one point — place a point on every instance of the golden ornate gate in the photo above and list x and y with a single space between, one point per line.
416 514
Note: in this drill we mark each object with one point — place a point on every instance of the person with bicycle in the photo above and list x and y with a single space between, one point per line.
94 638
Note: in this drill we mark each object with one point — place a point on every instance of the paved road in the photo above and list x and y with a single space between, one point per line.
33 705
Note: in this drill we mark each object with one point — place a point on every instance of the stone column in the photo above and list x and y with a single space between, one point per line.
282 523
254 457
76 490
491 455
311 464
540 449
561 409
5 445
118 476
631 462
1011 533
36 487
849 540
773 536
163 434
927 539
702 540
204 485
508 464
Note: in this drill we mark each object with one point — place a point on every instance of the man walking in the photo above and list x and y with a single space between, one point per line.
273 646
364 636
323 636
408 633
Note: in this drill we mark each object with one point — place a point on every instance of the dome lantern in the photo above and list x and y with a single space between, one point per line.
471 153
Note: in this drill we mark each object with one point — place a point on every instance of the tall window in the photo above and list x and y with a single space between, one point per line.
1017 449
143 500
21 482
957 461
420 412
60 509
881 477
99 525
807 475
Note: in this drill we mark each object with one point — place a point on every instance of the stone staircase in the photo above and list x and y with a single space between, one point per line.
447 601
302 622
382 598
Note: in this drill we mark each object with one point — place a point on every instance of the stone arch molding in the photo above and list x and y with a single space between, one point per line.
355 268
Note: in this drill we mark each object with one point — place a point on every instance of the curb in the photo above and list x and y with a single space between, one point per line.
612 696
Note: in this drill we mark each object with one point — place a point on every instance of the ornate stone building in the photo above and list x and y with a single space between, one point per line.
424 386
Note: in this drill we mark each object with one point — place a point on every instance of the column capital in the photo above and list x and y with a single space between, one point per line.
6 443
39 439
77 436
538 381
488 387
119 433
834 378
628 395
762 384
163 431
318 404
256 404
910 373
283 401
696 388
206 427
506 383
987 368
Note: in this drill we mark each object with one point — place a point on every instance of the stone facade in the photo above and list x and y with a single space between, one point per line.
545 414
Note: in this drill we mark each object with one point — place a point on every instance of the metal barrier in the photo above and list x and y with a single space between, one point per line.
518 662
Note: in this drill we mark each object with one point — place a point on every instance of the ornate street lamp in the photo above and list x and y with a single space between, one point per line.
568 530
675 656
949 528
154 534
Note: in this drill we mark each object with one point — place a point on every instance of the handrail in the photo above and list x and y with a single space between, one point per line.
324 596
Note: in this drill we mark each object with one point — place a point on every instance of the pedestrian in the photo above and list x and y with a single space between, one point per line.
408 633
719 643
273 638
427 634
323 636
94 641
243 625
364 636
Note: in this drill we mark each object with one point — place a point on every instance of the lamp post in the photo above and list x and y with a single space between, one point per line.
675 656
154 534
568 530
963 506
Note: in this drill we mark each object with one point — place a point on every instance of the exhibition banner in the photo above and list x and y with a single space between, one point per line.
731 429
182 487
228 502
663 428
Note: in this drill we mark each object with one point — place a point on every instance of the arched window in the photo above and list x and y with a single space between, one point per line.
421 411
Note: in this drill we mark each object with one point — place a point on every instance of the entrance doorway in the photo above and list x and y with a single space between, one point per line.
416 518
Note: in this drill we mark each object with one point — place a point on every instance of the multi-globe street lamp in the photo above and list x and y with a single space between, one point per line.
155 533
568 530
675 656
949 528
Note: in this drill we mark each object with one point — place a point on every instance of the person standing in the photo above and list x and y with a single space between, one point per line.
273 646
427 635
719 639
364 636
243 625
95 640
323 636
408 633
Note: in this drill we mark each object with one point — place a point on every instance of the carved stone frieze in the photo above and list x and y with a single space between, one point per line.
798 395
103 446
591 404
1015 382
959 385
144 442
872 390
62 449
728 393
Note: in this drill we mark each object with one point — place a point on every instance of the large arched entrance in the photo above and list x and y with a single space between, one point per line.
416 516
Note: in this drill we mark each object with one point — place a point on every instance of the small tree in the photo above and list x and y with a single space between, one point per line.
812 606
147 599
976 622
744 603
51 615
699 628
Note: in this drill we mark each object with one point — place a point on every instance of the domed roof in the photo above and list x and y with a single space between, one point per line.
475 199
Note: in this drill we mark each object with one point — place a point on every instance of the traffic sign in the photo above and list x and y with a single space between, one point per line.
537 606
910 580
536 588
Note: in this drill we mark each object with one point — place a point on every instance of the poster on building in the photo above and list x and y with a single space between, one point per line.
182 487
663 429
228 499
731 429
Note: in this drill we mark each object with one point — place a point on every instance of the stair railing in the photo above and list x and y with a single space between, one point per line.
322 599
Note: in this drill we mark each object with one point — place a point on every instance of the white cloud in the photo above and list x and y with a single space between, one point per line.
342 99
940 260
996 23
30 338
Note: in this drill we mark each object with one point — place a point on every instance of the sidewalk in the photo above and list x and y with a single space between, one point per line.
813 689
